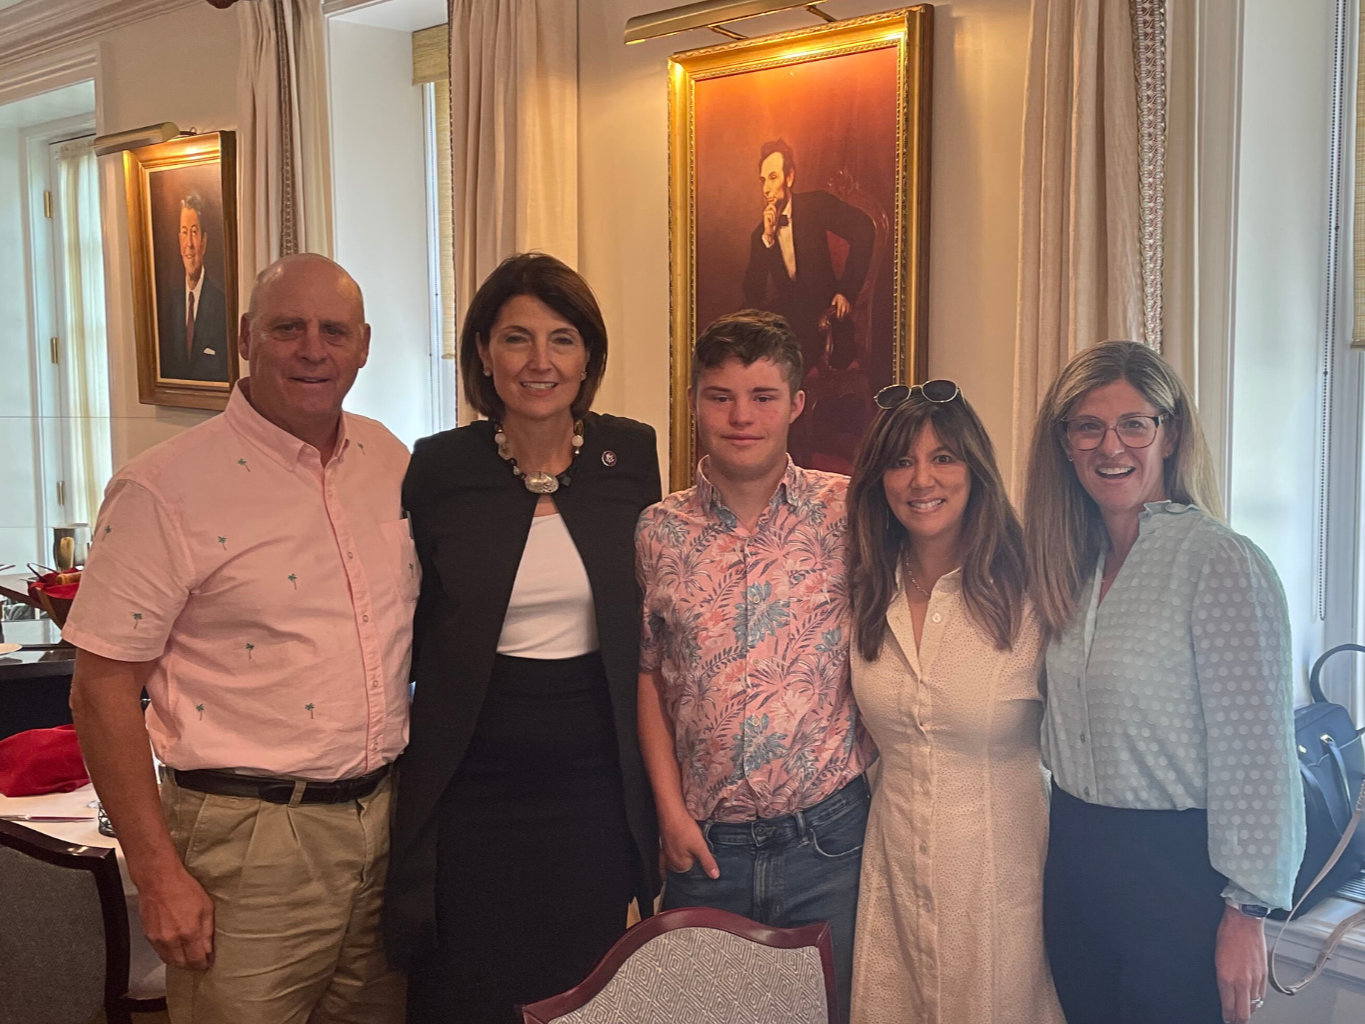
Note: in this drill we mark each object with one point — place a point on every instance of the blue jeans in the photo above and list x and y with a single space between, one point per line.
788 871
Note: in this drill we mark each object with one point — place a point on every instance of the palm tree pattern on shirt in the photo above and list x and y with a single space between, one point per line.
249 649
242 463
200 709
309 708
223 541
137 617
294 579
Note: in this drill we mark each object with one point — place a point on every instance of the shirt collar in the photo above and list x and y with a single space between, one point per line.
1153 508
196 290
788 489
278 443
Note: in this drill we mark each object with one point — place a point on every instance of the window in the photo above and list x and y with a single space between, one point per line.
54 391
391 189
1296 432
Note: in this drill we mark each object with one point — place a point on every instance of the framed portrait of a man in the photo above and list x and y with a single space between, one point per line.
182 230
799 176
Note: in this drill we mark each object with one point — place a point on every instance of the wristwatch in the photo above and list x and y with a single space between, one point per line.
1251 909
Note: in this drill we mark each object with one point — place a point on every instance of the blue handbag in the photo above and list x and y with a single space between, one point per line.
1332 767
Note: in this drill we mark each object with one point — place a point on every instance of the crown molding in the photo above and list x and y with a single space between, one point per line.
33 27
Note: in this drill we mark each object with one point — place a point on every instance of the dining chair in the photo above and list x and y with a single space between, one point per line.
64 943
703 966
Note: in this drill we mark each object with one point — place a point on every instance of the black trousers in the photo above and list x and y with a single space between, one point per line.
1131 907
535 861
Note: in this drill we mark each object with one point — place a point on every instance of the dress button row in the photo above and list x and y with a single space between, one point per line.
937 617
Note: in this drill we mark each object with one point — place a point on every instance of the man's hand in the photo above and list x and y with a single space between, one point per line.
177 916
1239 957
680 844
841 307
770 224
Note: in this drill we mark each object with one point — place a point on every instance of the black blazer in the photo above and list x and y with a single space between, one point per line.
209 360
470 519
814 215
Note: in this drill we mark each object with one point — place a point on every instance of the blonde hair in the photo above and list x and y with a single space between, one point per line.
1063 531
992 540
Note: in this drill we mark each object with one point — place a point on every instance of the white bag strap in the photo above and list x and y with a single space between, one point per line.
1341 929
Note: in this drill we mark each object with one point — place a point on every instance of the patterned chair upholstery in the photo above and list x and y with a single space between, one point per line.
63 931
702 966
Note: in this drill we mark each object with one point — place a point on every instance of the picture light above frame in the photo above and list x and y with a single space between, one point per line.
713 15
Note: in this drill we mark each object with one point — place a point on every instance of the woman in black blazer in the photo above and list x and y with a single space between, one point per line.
524 824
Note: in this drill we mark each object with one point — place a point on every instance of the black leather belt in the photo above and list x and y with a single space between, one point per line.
279 791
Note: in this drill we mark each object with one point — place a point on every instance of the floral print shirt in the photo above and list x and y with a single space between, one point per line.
749 632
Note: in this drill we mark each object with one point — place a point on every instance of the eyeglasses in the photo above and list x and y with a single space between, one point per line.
1088 433
938 391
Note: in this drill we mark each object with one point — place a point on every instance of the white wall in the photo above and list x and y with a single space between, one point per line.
980 56
179 67
1281 283
379 192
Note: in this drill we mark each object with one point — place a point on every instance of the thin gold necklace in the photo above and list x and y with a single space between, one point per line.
905 563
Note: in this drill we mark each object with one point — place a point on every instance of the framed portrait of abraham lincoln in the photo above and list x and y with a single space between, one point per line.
182 233
799 184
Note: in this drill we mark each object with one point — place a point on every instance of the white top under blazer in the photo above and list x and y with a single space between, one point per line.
551 614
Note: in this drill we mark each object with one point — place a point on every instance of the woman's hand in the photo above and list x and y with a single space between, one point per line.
681 843
1239 957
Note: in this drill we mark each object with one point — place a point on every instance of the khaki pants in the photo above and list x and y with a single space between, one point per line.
296 894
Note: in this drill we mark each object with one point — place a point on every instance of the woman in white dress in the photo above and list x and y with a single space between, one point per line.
945 670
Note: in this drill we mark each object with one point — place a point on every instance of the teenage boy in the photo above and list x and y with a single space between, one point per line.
747 721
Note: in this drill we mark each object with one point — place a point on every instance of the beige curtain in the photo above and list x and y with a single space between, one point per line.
514 134
284 140
1080 241
85 355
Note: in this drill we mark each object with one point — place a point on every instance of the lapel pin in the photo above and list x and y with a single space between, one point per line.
608 458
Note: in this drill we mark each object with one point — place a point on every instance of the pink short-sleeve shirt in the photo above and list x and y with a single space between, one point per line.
275 595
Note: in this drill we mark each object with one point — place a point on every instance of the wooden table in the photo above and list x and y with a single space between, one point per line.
35 689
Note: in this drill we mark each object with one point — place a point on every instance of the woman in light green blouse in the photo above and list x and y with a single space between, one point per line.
1177 813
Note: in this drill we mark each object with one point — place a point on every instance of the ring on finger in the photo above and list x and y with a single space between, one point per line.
1256 1004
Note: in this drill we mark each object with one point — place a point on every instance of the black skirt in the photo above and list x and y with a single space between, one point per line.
535 860
1131 908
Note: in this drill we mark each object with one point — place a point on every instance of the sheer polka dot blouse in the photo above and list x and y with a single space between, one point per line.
1176 692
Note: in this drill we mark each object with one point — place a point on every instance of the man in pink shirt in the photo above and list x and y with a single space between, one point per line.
748 726
255 574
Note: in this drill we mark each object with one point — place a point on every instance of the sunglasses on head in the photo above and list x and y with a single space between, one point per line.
938 391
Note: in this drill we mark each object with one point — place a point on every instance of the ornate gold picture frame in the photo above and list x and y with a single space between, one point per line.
842 110
182 236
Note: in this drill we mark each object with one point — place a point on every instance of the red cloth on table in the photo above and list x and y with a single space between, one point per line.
41 761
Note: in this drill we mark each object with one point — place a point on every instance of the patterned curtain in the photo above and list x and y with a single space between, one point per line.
1149 61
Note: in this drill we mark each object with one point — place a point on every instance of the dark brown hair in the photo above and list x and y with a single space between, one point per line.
559 287
749 335
779 146
993 575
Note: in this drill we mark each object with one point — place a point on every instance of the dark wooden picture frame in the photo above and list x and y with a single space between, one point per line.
182 208
851 101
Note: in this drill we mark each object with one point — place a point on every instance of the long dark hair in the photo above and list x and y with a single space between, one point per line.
993 575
